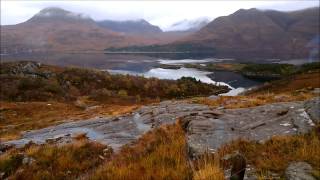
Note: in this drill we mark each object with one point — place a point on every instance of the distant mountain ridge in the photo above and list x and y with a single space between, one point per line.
244 34
255 33
56 29
189 25
58 14
140 26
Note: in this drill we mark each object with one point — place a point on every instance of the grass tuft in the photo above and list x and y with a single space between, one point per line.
159 154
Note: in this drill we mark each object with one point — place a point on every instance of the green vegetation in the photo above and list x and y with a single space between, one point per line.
67 84
255 71
309 67
268 71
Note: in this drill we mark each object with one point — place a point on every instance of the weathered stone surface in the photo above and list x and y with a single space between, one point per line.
299 171
313 109
114 131
29 69
257 123
206 128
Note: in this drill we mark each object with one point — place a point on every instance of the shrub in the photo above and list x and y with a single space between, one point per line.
122 93
55 161
9 164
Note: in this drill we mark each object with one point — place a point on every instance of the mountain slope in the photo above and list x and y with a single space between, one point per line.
255 33
131 27
58 29
189 25
55 29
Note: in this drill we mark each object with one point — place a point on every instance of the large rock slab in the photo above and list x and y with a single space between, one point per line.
207 132
299 171
113 131
313 109
206 128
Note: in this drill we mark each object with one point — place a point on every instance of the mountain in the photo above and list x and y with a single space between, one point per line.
55 29
189 25
57 14
140 26
255 33
144 30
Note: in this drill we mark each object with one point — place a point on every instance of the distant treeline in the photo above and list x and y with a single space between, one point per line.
263 72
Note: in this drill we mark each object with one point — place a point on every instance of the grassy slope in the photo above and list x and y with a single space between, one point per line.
162 153
33 101
22 116
159 154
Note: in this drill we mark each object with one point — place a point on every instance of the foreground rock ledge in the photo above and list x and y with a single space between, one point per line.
206 128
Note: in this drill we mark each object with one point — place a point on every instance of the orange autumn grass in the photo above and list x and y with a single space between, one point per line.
22 116
52 161
275 154
159 154
233 102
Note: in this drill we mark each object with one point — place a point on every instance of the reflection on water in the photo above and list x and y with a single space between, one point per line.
140 65
188 72
173 74
191 61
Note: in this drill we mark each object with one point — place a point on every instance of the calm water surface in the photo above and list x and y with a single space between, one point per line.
143 66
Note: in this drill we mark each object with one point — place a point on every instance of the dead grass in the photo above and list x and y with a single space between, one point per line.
295 88
208 167
233 102
275 154
159 154
293 83
53 161
21 116
209 172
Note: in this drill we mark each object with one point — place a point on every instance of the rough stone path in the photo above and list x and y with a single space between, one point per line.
206 128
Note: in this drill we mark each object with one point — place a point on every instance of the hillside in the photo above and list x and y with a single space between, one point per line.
131 27
189 25
56 29
59 30
254 34
193 138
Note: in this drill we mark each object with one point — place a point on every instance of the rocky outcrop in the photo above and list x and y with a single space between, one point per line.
299 171
210 131
206 128
313 109
114 131
26 68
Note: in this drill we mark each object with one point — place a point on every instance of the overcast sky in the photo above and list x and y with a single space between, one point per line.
161 13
